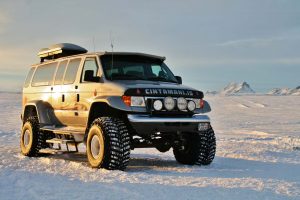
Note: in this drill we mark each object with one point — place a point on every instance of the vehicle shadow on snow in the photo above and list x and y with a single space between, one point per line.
221 167
148 164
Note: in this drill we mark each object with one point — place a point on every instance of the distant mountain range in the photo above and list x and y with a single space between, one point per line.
244 88
285 91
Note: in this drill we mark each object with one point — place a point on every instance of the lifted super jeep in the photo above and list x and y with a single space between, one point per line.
113 102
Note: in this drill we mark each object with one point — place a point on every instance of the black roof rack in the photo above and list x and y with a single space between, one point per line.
60 50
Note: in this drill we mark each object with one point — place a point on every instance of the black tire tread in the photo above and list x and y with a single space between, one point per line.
38 140
207 147
201 149
117 147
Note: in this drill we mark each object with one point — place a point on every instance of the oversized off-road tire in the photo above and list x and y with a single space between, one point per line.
199 148
32 140
108 144
125 144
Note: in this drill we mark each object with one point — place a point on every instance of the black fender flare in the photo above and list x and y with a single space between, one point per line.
43 110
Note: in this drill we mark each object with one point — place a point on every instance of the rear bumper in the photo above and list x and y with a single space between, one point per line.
147 125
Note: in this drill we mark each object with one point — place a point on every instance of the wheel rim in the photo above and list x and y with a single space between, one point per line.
95 147
26 138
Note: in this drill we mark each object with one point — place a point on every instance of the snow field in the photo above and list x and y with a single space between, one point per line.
258 157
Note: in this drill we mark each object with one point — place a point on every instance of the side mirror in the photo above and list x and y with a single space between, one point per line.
179 79
89 76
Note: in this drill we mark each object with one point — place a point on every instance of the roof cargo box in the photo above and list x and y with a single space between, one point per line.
60 50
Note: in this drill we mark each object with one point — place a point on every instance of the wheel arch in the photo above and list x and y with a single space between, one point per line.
101 109
42 110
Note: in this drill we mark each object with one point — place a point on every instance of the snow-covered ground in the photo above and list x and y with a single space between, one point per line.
258 157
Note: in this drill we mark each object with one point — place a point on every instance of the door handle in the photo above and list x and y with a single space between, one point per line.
77 98
63 98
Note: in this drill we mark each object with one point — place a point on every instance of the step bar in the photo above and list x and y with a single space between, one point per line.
63 130
60 141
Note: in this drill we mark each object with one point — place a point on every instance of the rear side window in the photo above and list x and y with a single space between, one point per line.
71 72
43 75
60 72
28 78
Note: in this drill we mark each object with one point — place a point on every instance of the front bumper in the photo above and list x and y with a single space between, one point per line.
139 118
147 125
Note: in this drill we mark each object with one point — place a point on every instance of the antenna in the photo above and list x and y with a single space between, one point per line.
112 53
94 43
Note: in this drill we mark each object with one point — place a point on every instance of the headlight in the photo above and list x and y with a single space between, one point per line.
169 103
197 102
134 101
191 105
157 105
138 101
181 103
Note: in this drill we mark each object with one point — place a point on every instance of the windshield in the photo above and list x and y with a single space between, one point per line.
132 67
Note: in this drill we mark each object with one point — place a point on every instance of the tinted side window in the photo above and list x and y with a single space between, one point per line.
60 72
71 72
89 64
28 78
158 71
44 75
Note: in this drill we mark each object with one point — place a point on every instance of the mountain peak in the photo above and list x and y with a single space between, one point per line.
237 88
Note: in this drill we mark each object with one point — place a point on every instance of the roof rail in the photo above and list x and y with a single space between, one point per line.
60 50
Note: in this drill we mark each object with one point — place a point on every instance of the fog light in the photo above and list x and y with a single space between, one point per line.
181 103
169 103
157 105
203 126
191 105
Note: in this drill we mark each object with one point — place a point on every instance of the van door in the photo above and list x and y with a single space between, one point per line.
57 94
68 92
87 89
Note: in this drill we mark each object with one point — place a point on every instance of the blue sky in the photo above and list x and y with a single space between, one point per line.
209 43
